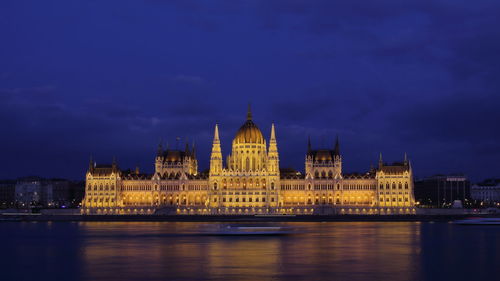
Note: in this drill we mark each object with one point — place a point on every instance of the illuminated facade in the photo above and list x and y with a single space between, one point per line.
251 182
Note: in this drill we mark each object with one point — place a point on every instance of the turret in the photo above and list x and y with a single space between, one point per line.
91 165
159 153
114 166
380 161
337 158
273 156
336 150
216 156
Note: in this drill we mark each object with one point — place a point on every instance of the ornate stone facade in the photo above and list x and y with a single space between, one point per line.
250 183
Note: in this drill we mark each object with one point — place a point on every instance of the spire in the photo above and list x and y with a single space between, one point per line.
137 171
186 149
273 146
336 150
406 159
91 164
216 133
249 112
380 161
193 151
308 144
216 156
160 148
114 166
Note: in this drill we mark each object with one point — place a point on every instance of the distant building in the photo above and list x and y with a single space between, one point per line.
28 192
487 191
7 193
442 190
35 191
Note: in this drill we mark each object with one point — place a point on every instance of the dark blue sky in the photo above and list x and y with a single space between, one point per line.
104 78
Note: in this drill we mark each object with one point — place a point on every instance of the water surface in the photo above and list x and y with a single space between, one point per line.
320 251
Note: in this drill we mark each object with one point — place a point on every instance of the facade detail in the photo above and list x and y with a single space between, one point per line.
251 182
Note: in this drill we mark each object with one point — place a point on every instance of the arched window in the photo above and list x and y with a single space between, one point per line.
400 186
316 174
381 186
272 185
406 185
323 174
215 186
330 174
393 186
387 186
247 164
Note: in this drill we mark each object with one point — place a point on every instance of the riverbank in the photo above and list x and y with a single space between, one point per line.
228 218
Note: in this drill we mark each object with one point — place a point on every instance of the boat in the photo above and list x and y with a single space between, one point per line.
478 221
245 230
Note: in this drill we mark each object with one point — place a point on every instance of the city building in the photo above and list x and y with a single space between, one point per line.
487 192
7 193
443 190
48 193
249 182
28 192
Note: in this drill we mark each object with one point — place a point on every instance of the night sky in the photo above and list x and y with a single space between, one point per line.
112 78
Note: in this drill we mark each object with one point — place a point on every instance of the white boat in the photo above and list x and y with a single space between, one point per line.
478 221
234 230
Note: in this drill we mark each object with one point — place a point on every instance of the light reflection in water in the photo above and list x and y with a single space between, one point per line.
319 251
323 250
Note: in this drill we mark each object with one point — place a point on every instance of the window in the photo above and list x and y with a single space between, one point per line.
215 186
263 199
406 185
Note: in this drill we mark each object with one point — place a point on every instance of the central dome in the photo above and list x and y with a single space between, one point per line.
249 132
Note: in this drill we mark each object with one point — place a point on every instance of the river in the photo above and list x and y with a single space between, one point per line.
317 251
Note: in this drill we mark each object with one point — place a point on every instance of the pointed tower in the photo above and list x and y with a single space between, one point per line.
91 165
380 161
159 159
337 158
216 156
249 112
309 159
273 156
406 160
114 166
336 150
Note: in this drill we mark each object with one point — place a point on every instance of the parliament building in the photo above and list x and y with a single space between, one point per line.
250 182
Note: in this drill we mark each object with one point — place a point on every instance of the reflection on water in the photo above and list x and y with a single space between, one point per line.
319 251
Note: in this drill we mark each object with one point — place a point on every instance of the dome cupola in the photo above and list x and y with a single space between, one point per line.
249 132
